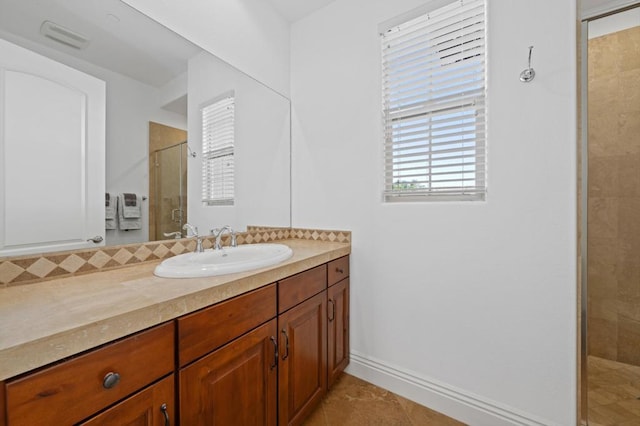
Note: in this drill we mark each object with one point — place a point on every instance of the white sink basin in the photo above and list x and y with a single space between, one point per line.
229 260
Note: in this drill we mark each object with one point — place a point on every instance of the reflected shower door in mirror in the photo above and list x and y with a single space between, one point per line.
167 181
153 75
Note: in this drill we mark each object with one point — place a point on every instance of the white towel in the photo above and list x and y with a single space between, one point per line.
131 206
126 224
110 205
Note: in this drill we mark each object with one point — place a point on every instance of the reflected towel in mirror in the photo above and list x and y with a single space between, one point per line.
110 203
129 217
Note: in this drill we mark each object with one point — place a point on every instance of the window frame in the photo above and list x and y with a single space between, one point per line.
224 196
393 136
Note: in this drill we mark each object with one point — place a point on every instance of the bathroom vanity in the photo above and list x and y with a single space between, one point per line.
257 348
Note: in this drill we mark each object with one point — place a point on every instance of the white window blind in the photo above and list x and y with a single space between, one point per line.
433 70
218 132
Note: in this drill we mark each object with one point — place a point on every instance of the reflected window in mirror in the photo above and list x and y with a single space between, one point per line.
218 139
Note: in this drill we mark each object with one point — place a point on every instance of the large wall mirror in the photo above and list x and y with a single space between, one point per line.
156 87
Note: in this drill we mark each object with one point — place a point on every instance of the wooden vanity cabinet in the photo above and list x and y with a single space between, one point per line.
303 344
203 331
3 405
338 318
234 385
234 377
73 390
265 357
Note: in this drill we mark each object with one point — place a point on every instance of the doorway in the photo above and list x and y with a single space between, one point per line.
611 220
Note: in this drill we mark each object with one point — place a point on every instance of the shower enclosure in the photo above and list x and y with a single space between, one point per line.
611 158
169 192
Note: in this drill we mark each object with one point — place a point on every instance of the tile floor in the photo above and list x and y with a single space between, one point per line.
614 400
614 393
354 402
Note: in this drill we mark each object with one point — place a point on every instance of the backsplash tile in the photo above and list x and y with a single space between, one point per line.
35 268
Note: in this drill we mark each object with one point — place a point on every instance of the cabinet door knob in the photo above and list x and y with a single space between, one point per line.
110 380
163 408
340 270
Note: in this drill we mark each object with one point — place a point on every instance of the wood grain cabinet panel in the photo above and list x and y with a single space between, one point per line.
234 385
153 406
3 405
338 330
303 359
300 287
203 331
337 270
71 391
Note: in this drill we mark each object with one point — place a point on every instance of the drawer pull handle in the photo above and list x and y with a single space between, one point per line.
275 352
286 346
163 408
340 270
333 310
110 380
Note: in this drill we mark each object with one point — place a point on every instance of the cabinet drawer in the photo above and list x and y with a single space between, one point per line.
73 390
201 332
300 287
338 270
153 406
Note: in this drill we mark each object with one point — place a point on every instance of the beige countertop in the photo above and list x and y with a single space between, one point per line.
48 321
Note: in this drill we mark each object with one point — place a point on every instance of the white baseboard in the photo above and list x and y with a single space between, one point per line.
470 409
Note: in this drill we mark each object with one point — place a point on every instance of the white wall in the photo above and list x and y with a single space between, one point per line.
261 148
466 307
130 107
248 34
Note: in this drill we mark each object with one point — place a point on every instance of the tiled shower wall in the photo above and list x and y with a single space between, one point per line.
613 251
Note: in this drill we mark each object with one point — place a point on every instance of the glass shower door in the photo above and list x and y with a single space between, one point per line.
170 191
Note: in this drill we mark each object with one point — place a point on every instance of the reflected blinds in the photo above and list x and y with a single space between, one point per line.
433 69
218 151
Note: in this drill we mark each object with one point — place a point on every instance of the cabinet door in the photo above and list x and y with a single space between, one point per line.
3 405
153 406
338 324
234 385
303 359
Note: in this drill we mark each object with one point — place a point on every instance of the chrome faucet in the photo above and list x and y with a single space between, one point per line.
217 233
176 235
194 231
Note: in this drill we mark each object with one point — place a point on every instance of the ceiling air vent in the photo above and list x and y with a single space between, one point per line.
63 35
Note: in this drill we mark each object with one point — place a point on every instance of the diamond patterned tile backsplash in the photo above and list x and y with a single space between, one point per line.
36 268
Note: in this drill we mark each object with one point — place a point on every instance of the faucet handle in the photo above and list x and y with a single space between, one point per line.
193 229
216 233
234 241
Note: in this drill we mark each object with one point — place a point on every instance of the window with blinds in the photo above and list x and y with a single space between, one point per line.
433 70
218 151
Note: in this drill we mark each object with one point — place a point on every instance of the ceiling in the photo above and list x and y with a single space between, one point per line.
592 8
132 44
121 39
294 10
